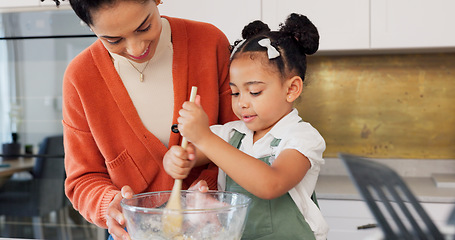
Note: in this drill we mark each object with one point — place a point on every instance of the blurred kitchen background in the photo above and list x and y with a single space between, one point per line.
380 86
36 47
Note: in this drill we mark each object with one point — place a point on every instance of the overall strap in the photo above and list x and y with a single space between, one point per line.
236 139
275 142
270 219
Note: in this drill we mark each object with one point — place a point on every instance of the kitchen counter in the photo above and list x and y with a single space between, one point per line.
334 182
345 210
342 188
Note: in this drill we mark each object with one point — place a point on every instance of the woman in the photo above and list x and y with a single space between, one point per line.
121 96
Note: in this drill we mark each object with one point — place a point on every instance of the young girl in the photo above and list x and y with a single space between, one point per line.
280 155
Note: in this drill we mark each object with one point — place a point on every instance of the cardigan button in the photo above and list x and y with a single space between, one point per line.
175 128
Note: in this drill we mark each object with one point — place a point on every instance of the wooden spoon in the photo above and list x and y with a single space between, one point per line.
172 222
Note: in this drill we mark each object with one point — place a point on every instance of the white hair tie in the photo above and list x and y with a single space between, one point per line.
236 48
271 50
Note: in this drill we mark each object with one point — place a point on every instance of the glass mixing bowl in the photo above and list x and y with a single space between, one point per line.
213 215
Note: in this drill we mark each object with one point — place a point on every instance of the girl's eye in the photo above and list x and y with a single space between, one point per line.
145 29
234 94
256 93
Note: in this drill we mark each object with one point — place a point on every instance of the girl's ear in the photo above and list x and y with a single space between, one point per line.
295 86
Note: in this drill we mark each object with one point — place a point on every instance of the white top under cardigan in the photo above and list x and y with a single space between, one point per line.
154 97
294 134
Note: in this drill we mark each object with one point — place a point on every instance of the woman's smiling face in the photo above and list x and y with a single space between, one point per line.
129 29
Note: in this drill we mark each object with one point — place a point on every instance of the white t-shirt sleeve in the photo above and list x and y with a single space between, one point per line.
307 141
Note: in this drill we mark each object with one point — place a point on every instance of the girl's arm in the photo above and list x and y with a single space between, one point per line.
255 176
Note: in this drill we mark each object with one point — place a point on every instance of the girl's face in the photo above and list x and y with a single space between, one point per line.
259 96
129 29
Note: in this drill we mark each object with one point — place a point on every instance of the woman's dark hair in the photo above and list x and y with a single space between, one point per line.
295 39
85 8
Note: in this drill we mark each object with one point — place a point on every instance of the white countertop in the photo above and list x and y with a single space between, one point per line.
342 188
335 183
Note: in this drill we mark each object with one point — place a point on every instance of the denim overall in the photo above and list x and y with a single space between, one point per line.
274 219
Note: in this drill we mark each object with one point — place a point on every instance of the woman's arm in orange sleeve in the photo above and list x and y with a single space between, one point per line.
87 185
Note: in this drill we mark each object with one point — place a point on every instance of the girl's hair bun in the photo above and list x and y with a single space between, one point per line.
254 28
302 29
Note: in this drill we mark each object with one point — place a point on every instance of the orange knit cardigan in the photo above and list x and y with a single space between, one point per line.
106 144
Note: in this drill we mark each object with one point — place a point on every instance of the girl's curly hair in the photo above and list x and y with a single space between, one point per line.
296 38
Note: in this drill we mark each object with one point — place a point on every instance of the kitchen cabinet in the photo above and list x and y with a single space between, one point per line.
374 24
344 216
349 25
29 3
11 4
412 24
19 3
342 25
52 3
228 16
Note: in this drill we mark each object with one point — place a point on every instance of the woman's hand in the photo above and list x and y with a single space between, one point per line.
178 162
203 200
115 220
199 200
202 186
